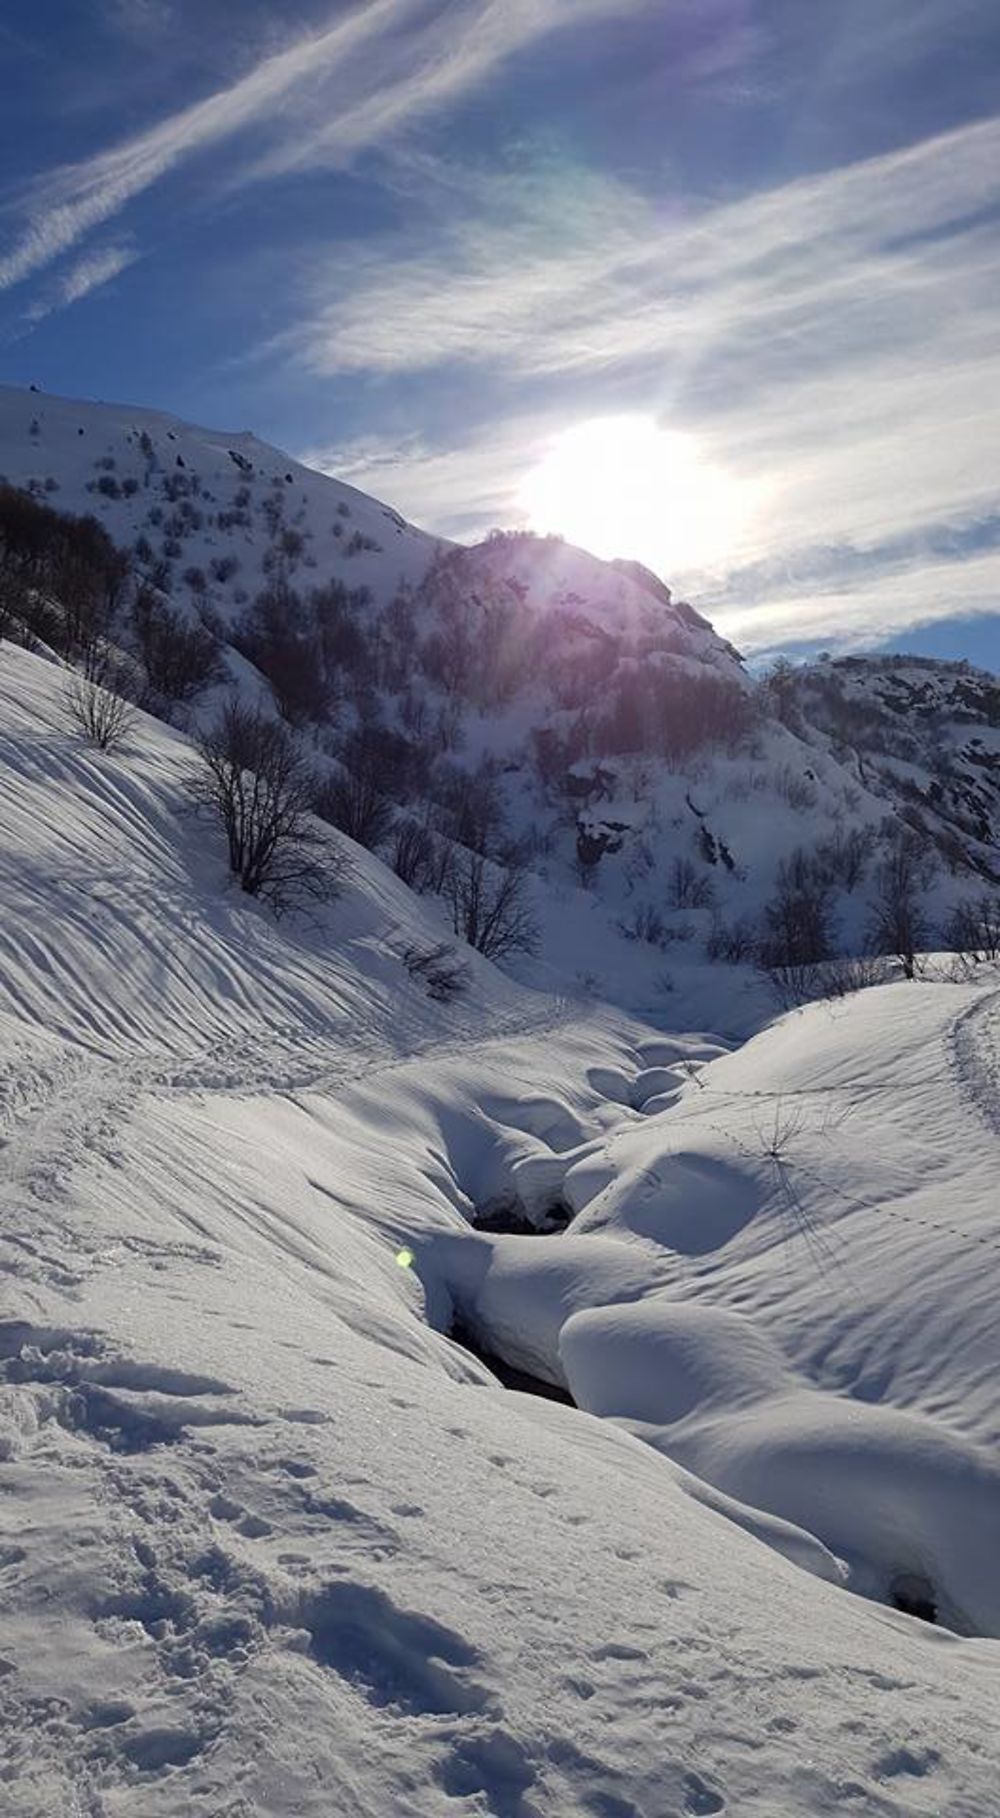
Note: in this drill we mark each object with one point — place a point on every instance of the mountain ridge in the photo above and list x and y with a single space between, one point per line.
535 703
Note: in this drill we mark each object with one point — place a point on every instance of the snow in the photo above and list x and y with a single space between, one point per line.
926 739
273 1542
813 1228
74 437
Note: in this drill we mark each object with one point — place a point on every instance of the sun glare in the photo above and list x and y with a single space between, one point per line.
622 486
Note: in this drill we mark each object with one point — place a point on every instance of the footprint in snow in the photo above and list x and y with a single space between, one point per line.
494 1766
914 1762
699 1798
396 1658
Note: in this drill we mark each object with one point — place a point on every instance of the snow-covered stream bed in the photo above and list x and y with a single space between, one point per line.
272 1543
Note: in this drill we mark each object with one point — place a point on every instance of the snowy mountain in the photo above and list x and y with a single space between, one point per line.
545 708
275 1538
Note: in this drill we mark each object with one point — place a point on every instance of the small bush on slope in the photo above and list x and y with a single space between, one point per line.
180 660
438 969
98 708
974 928
898 923
488 907
353 803
256 780
413 855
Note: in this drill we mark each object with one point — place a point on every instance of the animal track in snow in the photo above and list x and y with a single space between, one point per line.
395 1657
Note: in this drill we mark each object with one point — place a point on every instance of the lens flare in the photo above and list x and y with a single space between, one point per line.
622 486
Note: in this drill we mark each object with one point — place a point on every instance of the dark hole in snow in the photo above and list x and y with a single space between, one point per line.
914 1596
507 1217
505 1372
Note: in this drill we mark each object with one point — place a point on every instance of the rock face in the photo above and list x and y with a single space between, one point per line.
924 732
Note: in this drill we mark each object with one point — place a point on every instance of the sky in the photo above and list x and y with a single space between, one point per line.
713 283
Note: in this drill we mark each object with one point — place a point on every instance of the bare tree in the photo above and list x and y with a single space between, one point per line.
180 659
413 854
12 603
687 887
974 928
488 907
797 920
736 943
353 803
898 923
256 779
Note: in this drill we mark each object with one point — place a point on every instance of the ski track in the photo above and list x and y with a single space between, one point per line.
976 1057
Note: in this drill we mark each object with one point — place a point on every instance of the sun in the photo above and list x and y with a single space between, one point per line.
622 486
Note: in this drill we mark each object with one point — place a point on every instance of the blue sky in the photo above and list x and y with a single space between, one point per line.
418 241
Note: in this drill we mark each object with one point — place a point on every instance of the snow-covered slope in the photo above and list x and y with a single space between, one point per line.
144 473
554 709
274 1543
818 1332
608 736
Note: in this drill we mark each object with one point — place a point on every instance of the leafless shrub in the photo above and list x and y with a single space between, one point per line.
352 802
438 968
791 984
99 708
687 887
775 1139
13 599
181 660
412 854
898 922
488 906
973 928
735 943
254 777
848 973
844 858
797 920
798 791
645 923
840 977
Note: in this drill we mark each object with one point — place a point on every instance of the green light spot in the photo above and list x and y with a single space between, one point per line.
405 1258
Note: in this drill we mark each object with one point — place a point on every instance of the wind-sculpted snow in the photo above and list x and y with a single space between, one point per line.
274 1543
120 938
817 1242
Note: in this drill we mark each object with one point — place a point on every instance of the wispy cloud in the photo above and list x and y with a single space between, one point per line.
143 20
69 202
444 56
90 273
326 95
833 340
460 491
591 275
860 612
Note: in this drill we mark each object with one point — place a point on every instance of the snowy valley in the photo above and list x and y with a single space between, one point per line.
562 1382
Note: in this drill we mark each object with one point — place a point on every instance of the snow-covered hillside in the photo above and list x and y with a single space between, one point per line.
554 711
143 473
274 1542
